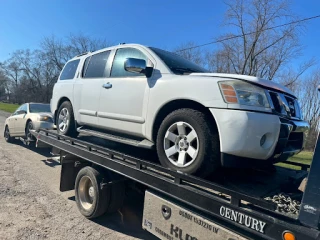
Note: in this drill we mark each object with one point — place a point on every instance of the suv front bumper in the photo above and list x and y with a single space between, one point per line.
258 135
292 138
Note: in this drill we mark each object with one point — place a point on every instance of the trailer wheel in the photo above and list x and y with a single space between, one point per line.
92 201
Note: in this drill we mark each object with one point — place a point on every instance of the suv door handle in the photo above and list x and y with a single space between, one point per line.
107 85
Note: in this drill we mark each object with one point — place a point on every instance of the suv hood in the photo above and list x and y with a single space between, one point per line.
255 80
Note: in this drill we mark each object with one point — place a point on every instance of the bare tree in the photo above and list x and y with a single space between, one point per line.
289 77
4 93
55 51
59 51
13 73
80 43
194 55
309 97
30 75
261 50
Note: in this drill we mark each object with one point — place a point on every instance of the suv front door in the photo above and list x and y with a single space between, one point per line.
123 100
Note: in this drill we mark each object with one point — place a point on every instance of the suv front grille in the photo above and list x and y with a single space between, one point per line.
285 105
276 103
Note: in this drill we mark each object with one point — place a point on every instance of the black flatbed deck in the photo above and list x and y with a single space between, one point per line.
242 191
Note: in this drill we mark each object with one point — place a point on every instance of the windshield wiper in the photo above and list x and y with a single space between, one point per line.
184 69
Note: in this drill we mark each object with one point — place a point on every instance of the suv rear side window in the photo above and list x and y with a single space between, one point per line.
118 63
85 65
97 65
69 70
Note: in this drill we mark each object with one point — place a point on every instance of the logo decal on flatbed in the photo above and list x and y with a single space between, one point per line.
245 220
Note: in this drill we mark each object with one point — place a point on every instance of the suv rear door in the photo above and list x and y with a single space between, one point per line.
88 86
123 100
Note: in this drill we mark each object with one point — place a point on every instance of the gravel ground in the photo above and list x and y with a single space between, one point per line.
32 207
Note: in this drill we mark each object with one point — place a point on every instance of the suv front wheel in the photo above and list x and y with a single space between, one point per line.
187 141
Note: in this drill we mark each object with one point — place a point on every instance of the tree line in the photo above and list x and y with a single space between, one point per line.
251 46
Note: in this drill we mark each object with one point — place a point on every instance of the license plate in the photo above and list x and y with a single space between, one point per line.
170 221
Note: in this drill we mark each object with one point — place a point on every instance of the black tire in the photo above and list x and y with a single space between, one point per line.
7 136
208 158
28 135
70 130
100 200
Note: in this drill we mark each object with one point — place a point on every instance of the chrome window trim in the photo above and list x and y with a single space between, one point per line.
284 103
269 99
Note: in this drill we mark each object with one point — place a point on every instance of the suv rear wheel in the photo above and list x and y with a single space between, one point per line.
188 141
65 120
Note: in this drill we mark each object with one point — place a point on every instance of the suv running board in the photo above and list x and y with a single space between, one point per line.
143 144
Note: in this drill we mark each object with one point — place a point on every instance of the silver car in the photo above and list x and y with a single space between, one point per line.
27 117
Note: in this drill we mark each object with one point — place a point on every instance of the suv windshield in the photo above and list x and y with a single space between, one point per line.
39 107
178 64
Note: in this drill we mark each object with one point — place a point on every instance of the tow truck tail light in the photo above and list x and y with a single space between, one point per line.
288 236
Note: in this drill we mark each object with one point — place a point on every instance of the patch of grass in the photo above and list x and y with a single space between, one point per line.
303 157
8 107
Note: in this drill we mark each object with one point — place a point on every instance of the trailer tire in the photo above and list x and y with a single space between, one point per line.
91 199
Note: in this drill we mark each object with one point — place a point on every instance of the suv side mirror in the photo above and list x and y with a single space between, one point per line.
22 112
137 66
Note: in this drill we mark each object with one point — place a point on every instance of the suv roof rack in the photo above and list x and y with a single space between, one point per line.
81 54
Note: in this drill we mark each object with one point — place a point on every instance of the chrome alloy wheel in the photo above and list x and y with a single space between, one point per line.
86 192
181 144
63 120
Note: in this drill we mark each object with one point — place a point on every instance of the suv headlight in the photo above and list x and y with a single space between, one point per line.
243 93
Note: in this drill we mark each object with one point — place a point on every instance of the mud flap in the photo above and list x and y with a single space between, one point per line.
69 170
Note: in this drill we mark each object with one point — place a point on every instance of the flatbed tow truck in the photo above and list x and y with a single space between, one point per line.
232 206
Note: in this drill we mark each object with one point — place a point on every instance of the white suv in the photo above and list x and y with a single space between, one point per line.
197 120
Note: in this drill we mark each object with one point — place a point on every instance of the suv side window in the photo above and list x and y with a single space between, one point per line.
96 65
118 63
70 70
